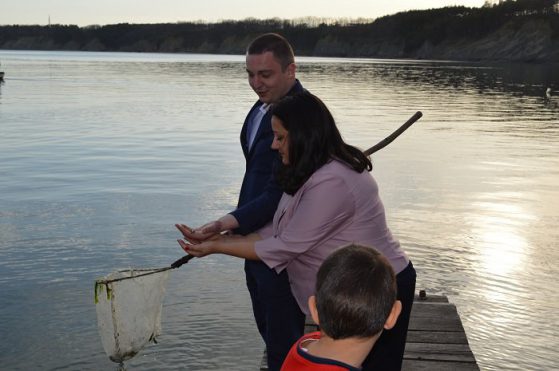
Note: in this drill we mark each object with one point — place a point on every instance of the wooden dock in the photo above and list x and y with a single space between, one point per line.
436 338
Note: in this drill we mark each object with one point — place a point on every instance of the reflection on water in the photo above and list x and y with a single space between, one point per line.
103 152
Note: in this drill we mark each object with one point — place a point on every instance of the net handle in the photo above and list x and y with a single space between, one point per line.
383 143
185 259
177 264
104 282
389 139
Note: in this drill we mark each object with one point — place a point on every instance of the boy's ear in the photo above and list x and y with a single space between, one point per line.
313 310
393 316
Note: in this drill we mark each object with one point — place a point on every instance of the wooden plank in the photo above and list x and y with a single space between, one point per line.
436 337
439 352
430 299
413 365
433 309
436 324
435 317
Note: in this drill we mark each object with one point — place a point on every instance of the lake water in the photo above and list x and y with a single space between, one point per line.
101 153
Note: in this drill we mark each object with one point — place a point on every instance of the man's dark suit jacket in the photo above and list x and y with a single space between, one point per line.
260 193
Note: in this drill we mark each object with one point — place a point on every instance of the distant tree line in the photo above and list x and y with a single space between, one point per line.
494 31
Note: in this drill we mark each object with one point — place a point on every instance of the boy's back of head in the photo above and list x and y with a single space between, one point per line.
355 292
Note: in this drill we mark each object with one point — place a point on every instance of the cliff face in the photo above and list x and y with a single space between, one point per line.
530 41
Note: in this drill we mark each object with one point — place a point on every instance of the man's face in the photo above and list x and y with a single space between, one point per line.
266 77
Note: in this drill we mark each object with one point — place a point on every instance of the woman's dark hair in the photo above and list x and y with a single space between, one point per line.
314 140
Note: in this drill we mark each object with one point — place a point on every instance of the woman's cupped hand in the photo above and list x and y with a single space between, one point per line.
194 244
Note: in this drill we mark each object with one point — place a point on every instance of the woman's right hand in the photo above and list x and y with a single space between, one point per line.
209 230
195 236
233 245
198 250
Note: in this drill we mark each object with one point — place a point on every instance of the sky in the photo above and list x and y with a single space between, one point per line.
101 12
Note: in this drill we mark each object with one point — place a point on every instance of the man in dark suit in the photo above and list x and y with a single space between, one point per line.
270 65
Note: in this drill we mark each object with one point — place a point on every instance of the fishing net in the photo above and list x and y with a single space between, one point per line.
128 305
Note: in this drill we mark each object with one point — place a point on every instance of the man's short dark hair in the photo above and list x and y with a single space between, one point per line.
355 292
277 44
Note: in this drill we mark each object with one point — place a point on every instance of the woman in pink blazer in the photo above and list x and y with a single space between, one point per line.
330 199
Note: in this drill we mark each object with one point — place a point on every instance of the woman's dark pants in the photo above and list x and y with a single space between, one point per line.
388 352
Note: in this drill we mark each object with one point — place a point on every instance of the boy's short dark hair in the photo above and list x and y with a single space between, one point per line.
277 44
355 292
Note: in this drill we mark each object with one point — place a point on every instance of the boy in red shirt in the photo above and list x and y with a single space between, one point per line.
355 300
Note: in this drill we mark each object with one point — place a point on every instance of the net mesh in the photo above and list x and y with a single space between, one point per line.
128 305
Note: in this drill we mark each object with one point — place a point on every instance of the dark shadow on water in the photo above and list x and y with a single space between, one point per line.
518 79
